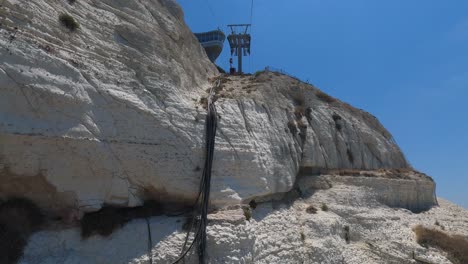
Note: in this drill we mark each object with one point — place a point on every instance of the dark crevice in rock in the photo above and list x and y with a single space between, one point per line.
19 219
105 221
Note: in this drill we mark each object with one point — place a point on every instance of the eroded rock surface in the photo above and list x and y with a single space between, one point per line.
111 113
106 112
357 228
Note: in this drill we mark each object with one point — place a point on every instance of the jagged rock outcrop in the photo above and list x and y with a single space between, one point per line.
111 113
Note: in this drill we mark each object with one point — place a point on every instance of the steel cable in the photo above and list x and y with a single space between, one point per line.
203 196
150 241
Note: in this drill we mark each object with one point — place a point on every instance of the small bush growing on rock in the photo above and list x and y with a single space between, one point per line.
324 207
247 213
204 102
324 97
69 22
456 246
303 237
298 99
257 73
71 2
311 210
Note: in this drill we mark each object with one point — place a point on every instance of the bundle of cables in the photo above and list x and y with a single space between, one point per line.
200 215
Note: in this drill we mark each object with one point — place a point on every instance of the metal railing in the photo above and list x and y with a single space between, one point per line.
210 36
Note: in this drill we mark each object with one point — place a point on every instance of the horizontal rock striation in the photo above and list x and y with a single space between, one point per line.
104 112
276 233
411 190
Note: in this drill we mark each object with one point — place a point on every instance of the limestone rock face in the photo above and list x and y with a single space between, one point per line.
111 113
415 193
104 113
277 233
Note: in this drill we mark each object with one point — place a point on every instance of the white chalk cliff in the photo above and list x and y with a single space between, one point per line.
112 113
277 233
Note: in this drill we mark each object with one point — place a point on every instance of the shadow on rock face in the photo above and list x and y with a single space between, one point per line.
105 221
19 218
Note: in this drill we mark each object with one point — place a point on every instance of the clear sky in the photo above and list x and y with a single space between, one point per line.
406 62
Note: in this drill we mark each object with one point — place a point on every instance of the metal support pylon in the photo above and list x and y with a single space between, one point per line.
239 41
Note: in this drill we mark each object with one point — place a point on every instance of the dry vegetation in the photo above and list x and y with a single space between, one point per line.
247 213
257 73
298 98
402 173
324 207
311 210
455 246
69 22
324 97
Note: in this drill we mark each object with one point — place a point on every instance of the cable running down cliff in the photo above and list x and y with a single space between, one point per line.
200 216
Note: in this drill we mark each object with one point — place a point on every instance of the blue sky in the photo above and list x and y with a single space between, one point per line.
405 62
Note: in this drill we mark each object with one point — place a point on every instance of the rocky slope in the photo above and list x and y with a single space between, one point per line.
111 113
278 232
